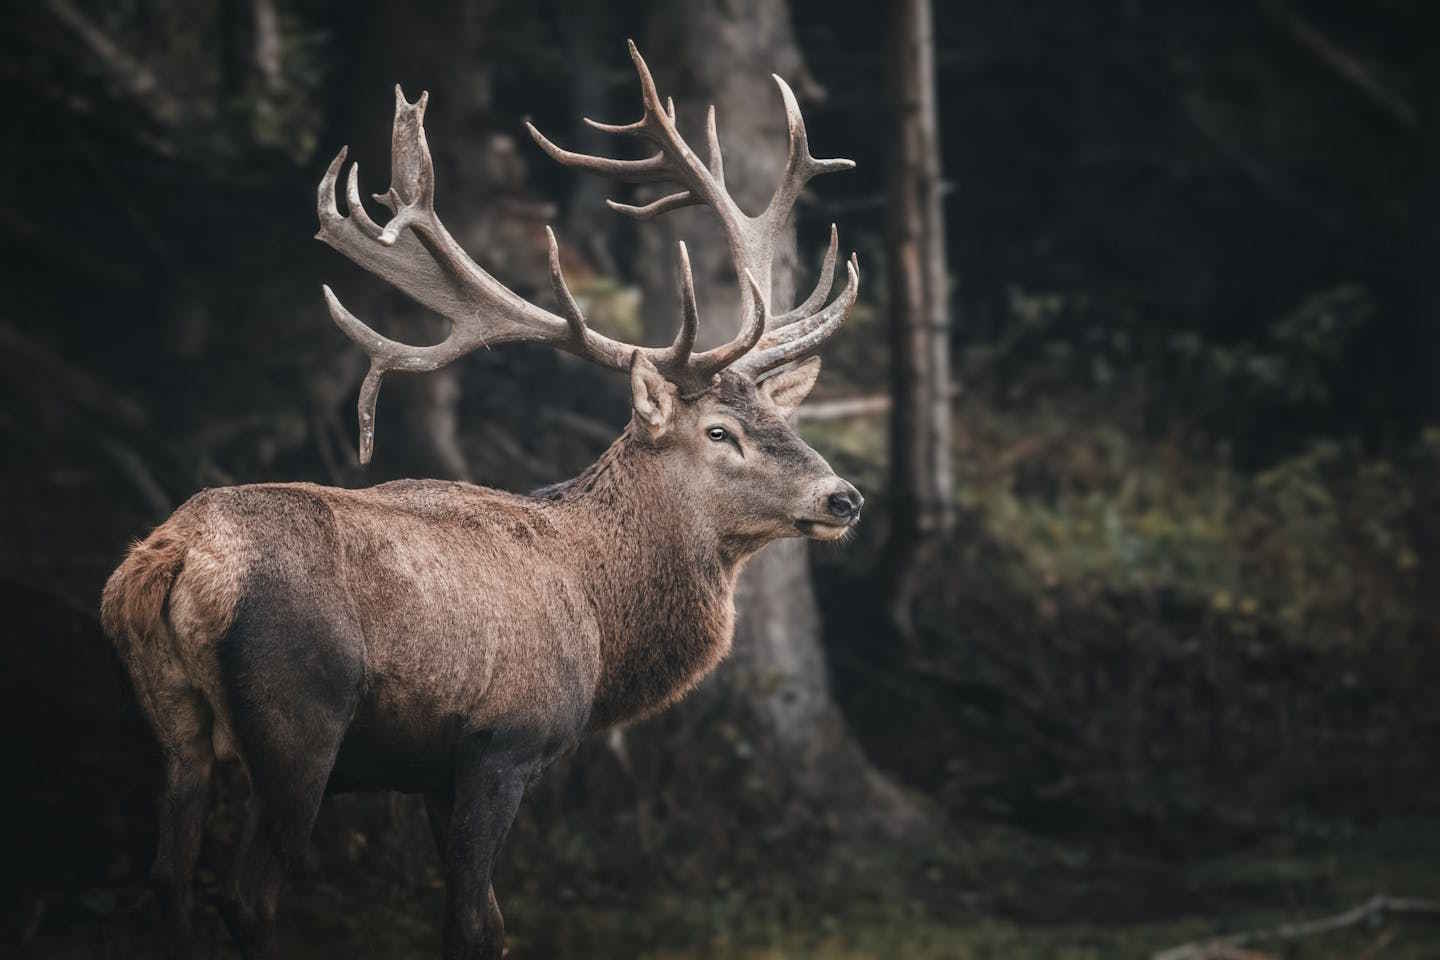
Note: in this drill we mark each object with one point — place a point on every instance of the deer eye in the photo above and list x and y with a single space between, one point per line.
718 434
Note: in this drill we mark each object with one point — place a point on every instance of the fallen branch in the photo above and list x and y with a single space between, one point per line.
1374 908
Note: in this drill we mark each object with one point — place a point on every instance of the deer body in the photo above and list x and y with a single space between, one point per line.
470 609
450 640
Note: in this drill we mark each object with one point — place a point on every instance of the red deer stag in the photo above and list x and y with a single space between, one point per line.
450 640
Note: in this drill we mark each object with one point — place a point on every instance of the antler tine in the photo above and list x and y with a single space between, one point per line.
802 338
800 166
677 355
651 169
638 127
649 94
706 365
356 207
823 283
573 317
712 140
650 211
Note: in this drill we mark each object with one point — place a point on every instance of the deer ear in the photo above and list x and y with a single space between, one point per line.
651 396
789 388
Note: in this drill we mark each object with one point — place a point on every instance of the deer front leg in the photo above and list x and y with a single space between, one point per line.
491 773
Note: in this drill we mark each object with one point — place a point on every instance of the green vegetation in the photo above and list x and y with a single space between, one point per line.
1319 546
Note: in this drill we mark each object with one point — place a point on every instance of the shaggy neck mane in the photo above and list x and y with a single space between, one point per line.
661 582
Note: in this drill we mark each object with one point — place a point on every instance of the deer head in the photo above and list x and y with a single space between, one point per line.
719 419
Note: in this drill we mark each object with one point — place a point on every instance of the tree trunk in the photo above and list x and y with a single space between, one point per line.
919 313
776 679
1422 242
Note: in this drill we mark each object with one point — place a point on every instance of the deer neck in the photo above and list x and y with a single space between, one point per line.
661 582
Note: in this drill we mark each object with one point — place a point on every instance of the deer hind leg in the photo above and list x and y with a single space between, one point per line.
184 803
181 721
287 785
252 894
438 806
293 667
269 846
492 771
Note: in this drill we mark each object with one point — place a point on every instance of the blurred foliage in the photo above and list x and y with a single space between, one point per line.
1256 398
1321 545
238 88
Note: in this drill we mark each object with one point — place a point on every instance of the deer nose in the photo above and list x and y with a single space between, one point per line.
846 503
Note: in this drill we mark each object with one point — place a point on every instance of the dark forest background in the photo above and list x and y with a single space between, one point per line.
1169 676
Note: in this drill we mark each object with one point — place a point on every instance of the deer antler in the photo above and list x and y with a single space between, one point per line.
791 335
415 253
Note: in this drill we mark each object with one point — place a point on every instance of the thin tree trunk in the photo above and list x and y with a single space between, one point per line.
919 313
1422 242
590 224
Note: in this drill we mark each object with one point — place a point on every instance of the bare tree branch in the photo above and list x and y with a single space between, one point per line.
862 406
29 362
134 468
268 45
1341 62
134 79
840 409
